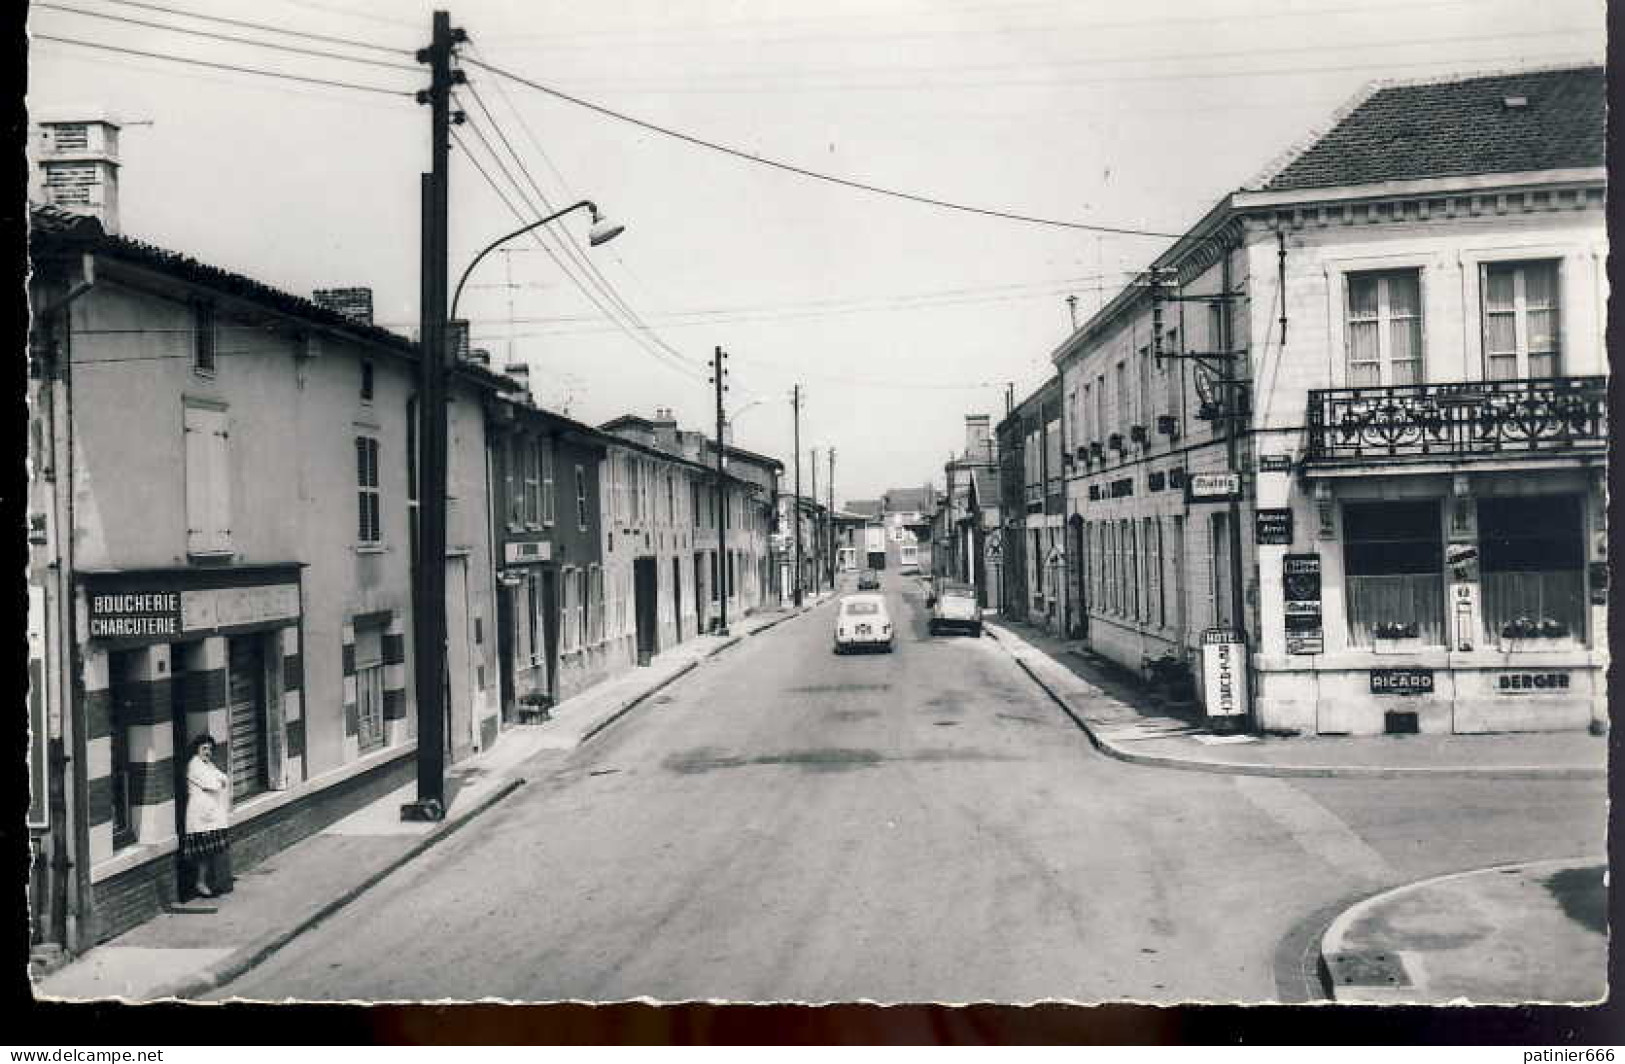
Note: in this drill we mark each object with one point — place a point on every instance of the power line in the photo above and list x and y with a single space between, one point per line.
228 37
531 207
245 24
222 66
803 171
680 366
599 280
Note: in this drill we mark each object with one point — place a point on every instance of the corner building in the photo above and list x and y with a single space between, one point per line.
1415 303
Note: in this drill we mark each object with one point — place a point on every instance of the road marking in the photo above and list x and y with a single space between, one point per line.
1314 827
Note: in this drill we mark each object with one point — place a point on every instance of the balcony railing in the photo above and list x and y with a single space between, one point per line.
1467 420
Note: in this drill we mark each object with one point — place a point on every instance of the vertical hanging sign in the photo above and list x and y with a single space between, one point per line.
1300 593
1224 672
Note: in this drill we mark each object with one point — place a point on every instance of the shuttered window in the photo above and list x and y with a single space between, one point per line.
369 528
208 482
369 686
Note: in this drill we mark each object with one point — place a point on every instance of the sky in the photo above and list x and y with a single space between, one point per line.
897 318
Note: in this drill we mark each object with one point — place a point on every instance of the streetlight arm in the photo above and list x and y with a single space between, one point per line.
521 231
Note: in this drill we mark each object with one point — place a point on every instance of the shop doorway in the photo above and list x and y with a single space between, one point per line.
549 621
645 596
677 596
505 632
245 715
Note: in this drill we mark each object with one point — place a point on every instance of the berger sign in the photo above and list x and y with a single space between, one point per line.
1224 672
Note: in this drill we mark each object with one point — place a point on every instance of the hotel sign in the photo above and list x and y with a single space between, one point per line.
1224 672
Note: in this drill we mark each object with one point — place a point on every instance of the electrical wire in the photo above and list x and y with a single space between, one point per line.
223 66
803 171
560 263
245 24
681 366
228 37
599 280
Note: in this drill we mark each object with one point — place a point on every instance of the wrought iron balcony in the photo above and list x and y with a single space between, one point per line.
1452 421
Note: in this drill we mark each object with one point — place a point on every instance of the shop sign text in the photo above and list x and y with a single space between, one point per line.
1273 527
1525 683
1224 672
1402 681
1212 487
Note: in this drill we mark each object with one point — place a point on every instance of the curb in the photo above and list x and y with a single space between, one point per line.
632 703
638 699
1253 768
255 953
1332 940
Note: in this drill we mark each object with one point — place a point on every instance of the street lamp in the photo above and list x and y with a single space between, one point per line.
602 232
429 567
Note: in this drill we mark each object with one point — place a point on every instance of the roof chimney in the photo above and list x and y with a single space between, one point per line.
353 303
978 440
77 157
520 373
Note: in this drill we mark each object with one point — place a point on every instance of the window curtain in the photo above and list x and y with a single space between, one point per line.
1394 565
1532 561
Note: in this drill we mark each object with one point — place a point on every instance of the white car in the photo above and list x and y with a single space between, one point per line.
863 623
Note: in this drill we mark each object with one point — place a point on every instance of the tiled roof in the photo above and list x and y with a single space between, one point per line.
1457 128
52 228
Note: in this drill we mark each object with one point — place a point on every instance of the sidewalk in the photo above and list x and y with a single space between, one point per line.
1516 934
1124 722
200 945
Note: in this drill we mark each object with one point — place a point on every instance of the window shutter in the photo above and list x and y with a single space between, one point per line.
198 515
208 481
220 482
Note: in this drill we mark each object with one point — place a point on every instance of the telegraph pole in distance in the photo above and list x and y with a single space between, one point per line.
795 405
719 372
818 529
429 577
829 510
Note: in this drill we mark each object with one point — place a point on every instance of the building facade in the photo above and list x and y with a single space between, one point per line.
1032 449
224 506
547 520
1408 348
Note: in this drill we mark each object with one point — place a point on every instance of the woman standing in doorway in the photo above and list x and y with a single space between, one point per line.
205 845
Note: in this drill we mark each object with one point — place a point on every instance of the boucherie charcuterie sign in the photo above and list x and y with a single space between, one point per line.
135 615
154 616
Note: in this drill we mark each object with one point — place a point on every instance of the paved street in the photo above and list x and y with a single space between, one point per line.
785 824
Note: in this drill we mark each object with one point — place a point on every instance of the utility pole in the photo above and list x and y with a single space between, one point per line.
818 528
1232 411
829 509
795 511
719 373
429 579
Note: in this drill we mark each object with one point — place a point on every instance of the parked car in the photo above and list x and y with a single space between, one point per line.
863 623
869 580
954 608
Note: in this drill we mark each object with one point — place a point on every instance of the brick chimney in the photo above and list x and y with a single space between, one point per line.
978 438
520 372
76 162
665 424
353 303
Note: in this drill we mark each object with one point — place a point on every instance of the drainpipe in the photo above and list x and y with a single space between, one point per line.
70 754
